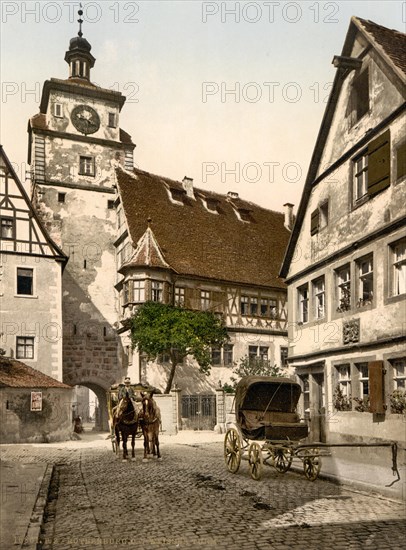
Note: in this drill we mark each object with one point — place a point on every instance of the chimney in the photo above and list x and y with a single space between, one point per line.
232 195
188 186
288 216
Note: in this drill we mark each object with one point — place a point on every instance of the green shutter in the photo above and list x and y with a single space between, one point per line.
314 222
376 387
401 161
379 164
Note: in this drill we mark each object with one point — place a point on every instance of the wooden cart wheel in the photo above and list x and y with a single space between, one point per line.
232 450
283 459
312 464
255 461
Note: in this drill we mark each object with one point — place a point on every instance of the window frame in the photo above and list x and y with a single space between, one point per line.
23 294
84 165
57 106
112 122
157 291
303 300
180 296
362 174
396 376
25 346
362 278
138 288
341 286
13 227
396 276
319 294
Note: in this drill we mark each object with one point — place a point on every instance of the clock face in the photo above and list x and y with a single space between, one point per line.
85 119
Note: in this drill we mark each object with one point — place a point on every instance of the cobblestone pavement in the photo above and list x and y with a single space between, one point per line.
189 500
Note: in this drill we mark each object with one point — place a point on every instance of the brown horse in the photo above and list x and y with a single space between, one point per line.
150 420
125 422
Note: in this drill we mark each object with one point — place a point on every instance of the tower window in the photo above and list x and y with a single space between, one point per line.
86 166
112 120
25 278
110 205
61 197
58 110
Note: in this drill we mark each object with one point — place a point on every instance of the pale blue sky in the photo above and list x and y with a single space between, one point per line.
165 54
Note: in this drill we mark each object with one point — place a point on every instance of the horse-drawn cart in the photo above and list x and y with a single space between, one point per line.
268 428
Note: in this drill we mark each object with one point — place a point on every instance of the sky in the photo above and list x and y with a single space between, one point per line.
231 94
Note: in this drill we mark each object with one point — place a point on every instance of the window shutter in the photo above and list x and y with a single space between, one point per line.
376 387
379 164
401 161
314 222
218 301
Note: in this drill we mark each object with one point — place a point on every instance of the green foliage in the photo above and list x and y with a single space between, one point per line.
398 402
340 401
362 403
158 328
252 367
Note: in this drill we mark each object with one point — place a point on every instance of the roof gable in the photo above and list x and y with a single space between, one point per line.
27 234
195 241
389 45
147 253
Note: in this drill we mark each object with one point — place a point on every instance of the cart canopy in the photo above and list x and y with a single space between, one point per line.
266 393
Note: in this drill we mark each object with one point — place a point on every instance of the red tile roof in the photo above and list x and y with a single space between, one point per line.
147 253
196 242
393 42
14 374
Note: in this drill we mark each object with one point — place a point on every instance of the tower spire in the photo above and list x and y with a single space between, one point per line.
78 56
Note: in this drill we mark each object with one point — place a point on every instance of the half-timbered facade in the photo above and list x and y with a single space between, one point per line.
30 280
347 285
205 251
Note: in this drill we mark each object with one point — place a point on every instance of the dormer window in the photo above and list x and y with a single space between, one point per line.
243 214
211 204
176 195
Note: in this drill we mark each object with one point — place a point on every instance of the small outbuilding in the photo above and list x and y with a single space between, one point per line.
35 408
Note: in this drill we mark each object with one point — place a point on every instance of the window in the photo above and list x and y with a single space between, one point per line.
25 347
61 197
306 394
344 380
25 278
319 298
399 374
58 110
343 278
216 355
398 261
244 305
112 120
179 296
110 205
372 168
254 306
126 293
360 96
363 380
263 353
303 295
284 356
86 166
205 299
361 176
252 353
157 291
365 281
7 228
139 291
319 218
269 308
228 354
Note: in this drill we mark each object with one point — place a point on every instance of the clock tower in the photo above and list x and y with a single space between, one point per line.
75 144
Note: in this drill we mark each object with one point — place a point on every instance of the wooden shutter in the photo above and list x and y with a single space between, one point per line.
315 222
376 387
379 164
401 161
218 301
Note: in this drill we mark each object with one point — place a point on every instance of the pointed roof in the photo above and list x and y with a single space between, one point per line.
147 253
15 374
390 45
46 245
199 242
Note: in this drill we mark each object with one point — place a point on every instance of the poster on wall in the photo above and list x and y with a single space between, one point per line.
36 400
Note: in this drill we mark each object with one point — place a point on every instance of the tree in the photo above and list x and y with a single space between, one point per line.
158 328
252 367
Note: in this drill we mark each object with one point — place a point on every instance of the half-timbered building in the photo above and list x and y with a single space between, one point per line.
205 251
30 280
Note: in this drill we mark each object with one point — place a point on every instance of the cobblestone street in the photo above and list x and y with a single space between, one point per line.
189 500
